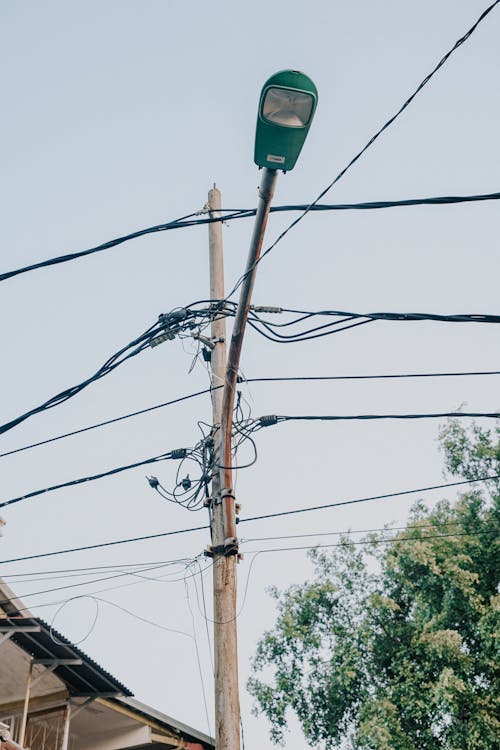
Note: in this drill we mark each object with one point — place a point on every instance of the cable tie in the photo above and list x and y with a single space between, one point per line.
268 420
178 453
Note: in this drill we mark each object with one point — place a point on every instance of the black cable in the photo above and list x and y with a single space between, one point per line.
124 354
369 205
176 224
306 335
169 326
367 499
101 545
291 379
236 214
307 378
139 567
265 421
146 537
111 421
372 140
92 478
398 316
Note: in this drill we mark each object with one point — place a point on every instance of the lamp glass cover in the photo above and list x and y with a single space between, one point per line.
287 107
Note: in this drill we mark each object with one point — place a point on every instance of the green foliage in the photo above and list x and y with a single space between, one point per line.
405 659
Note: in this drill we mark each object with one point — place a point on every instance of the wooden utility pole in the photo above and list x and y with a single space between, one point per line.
223 549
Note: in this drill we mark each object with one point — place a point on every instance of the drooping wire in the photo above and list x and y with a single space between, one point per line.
180 322
137 568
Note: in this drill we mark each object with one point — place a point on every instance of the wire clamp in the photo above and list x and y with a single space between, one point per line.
178 453
265 309
231 546
222 549
268 420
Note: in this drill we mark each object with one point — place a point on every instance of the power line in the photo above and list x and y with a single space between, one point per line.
295 511
102 545
273 419
183 221
88 583
291 379
141 567
355 501
245 213
400 316
110 421
339 321
362 542
180 322
265 421
91 478
372 140
370 205
349 532
374 542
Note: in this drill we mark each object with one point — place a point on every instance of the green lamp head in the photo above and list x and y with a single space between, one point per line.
286 108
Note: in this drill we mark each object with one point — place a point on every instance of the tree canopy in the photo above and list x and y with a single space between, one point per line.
404 658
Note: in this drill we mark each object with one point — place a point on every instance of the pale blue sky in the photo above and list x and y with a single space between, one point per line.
118 115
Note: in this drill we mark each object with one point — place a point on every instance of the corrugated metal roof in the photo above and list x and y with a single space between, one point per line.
170 723
87 679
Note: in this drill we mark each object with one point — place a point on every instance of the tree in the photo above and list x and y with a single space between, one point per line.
404 658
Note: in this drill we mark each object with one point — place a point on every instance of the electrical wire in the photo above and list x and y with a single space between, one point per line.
291 379
179 322
273 419
374 542
278 514
182 222
349 532
198 658
139 567
89 583
110 421
237 214
91 478
372 140
357 500
160 579
399 316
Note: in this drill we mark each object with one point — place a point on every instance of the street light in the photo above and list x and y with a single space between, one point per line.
286 108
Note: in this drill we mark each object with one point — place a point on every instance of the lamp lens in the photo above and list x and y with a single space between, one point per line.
287 107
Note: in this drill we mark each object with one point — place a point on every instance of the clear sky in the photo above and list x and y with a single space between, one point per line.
118 115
